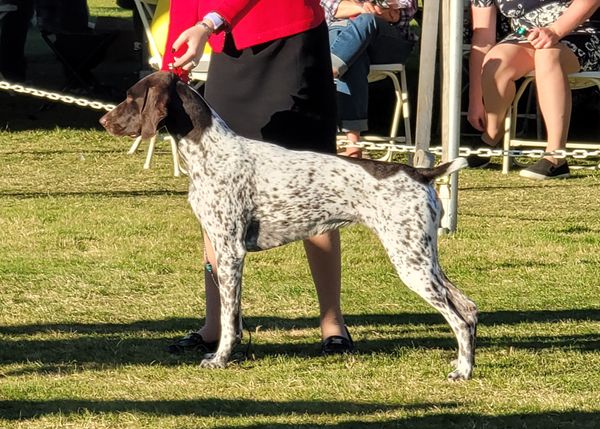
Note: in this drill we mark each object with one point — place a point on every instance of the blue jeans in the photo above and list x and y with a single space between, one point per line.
355 44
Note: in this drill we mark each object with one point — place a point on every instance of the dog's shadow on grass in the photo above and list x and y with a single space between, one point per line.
450 420
105 194
54 347
206 407
351 414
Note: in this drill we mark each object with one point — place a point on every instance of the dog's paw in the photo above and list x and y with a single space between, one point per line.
213 363
459 375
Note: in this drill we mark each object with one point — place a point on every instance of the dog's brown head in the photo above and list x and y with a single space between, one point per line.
152 100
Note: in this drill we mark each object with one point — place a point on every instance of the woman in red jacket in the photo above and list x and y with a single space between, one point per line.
269 79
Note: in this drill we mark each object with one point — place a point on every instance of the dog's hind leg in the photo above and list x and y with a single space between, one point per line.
468 311
416 262
229 274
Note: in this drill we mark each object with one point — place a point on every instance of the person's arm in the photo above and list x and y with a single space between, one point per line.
577 12
407 4
349 8
225 15
484 37
398 9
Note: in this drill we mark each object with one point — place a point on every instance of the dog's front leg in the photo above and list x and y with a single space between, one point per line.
229 274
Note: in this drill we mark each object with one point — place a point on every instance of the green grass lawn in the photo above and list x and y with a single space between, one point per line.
100 269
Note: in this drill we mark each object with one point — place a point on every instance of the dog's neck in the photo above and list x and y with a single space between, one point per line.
190 117
199 130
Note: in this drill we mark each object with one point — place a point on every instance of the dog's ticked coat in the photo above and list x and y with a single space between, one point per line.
251 196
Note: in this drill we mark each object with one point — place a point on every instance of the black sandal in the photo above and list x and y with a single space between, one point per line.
337 345
192 342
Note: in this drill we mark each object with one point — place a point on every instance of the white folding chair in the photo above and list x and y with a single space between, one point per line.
576 81
397 74
5 8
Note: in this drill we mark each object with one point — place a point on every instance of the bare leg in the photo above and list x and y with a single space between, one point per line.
323 254
353 152
503 65
211 330
554 95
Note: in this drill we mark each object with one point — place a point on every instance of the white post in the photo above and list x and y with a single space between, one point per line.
429 40
452 56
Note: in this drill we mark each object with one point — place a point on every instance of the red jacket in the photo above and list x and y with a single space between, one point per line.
252 22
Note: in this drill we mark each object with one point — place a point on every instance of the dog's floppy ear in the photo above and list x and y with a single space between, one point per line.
154 108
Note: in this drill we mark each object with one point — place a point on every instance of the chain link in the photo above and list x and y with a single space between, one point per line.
55 96
372 143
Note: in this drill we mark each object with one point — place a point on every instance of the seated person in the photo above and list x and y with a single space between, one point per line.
502 25
552 38
63 17
362 33
75 40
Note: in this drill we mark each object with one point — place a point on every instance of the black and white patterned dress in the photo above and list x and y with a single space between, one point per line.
584 41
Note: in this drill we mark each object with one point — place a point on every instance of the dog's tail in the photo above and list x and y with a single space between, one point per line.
444 169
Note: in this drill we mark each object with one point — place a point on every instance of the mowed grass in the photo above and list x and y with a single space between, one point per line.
100 269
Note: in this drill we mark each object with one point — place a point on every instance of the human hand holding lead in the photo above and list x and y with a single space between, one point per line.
195 38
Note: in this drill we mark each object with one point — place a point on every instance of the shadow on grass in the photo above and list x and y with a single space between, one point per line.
46 152
550 420
443 417
392 319
105 194
101 345
19 410
89 353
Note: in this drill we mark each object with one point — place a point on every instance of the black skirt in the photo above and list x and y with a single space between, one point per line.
280 92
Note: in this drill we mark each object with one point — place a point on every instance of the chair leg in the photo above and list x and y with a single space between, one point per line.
397 113
176 166
151 146
398 105
401 111
135 145
405 108
508 125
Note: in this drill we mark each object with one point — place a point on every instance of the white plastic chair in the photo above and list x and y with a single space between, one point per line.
576 81
5 8
397 74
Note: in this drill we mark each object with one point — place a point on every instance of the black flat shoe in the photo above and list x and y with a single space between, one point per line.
474 160
337 345
192 342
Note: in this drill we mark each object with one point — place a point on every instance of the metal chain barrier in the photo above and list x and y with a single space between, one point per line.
386 144
369 143
55 96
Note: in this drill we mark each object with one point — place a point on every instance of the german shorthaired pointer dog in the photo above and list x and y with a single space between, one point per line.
250 196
